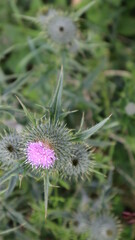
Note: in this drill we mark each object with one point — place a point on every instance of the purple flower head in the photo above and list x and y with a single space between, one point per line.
40 154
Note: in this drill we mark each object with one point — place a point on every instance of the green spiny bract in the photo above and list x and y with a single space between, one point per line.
10 148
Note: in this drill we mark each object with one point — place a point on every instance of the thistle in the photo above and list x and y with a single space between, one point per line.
80 164
47 145
50 146
105 227
10 149
61 29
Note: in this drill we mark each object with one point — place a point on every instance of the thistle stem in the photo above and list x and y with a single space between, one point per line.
46 187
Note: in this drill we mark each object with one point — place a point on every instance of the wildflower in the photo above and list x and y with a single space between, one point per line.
105 227
47 145
80 163
10 148
61 29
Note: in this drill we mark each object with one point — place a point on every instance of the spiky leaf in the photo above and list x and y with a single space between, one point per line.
55 106
27 113
89 132
84 9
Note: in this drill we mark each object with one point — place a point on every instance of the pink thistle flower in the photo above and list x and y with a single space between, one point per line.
40 154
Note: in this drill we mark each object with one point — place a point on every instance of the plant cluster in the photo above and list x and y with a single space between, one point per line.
47 152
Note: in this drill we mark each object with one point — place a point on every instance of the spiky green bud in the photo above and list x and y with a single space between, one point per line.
80 164
10 149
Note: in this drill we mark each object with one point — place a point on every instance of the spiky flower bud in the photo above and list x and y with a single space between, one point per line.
10 148
47 145
105 227
80 164
61 29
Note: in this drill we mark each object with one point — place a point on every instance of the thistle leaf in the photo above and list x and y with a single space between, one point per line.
82 122
84 9
55 106
10 230
18 217
64 114
89 132
92 76
10 110
11 186
7 51
25 17
27 113
13 87
9 174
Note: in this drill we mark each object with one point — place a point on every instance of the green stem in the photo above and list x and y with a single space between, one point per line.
46 186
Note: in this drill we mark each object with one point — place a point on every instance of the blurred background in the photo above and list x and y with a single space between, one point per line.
98 81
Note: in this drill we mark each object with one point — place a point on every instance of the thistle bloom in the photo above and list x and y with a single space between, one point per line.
40 155
61 29
105 227
10 148
47 145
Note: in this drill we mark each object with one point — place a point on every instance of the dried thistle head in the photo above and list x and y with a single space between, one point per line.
105 227
61 29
